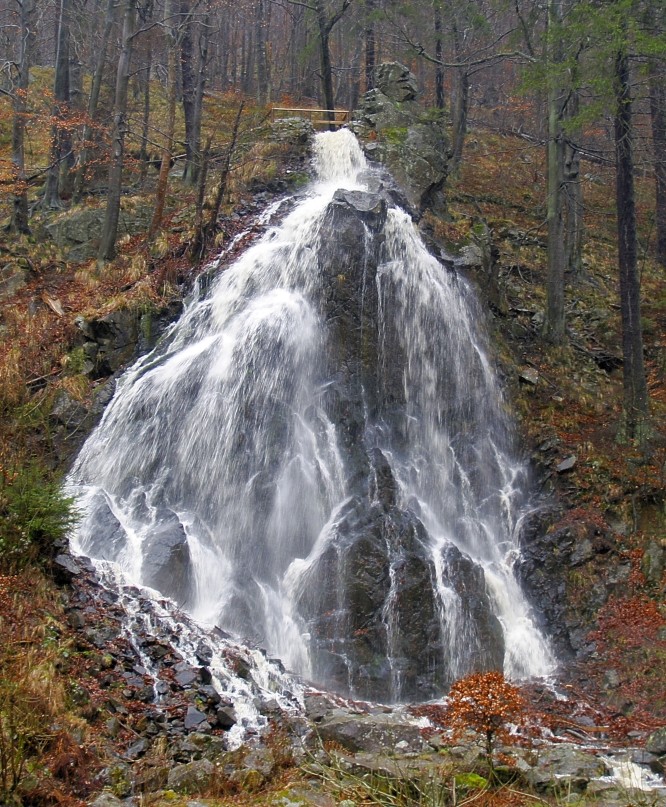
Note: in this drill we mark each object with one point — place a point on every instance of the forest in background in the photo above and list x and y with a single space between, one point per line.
96 95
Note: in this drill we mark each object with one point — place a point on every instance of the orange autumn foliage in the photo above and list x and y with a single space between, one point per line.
486 703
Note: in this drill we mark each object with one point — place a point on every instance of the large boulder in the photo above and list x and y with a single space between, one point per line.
13 276
372 733
396 82
78 230
564 769
168 555
656 742
192 777
399 134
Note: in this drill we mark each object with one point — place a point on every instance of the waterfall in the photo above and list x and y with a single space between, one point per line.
317 457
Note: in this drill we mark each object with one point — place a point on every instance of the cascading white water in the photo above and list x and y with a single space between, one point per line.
456 463
234 469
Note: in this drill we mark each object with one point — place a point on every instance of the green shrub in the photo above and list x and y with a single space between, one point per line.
33 514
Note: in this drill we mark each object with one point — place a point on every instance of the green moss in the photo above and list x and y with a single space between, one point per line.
395 135
470 781
432 115
298 179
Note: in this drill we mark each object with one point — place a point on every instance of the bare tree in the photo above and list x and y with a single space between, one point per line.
107 248
171 34
61 142
326 21
93 99
554 319
635 384
19 219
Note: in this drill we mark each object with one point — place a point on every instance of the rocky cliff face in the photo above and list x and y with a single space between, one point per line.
410 141
370 598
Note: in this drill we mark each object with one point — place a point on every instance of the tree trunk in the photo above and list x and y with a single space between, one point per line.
107 247
189 88
325 25
298 47
172 82
93 101
554 327
247 78
205 231
658 117
262 61
574 209
61 143
461 106
19 220
635 385
76 47
573 196
198 101
325 60
439 71
145 120
197 246
370 44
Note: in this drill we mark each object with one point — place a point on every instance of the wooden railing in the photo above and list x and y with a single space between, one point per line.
318 117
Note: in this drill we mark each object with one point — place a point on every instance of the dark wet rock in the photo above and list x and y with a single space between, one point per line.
146 694
209 695
378 557
554 566
114 340
260 759
137 749
198 745
193 718
370 207
117 778
68 412
651 761
529 376
567 465
317 707
151 778
186 678
113 727
109 536
203 653
100 636
65 568
168 550
653 563
152 324
225 717
295 132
